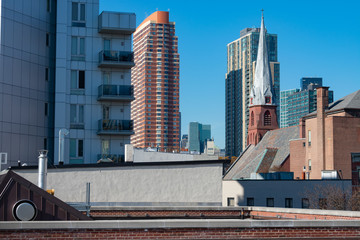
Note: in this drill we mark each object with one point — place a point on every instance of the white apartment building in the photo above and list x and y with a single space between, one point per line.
77 78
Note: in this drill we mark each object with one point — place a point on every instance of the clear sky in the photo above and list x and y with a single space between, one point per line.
315 38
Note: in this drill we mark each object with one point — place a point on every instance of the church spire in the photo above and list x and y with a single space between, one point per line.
261 91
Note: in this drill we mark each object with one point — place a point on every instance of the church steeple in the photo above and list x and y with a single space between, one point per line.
262 110
261 92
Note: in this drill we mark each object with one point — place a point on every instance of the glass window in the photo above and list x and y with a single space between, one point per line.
78 14
309 138
250 201
77 48
76 116
231 202
288 202
105 147
270 202
305 203
77 82
76 148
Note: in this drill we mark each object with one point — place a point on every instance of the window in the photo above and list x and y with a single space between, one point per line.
105 147
106 112
252 118
78 14
267 118
47 39
270 202
288 202
231 202
76 116
309 164
250 201
46 74
107 44
305 203
267 99
309 138
77 48
77 82
45 143
322 203
76 150
46 109
48 6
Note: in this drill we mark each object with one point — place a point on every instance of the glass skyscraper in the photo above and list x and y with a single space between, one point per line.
198 133
296 103
241 62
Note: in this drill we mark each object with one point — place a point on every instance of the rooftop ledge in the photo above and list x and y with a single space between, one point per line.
175 223
117 23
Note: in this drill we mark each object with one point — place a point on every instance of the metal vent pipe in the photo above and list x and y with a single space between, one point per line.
42 169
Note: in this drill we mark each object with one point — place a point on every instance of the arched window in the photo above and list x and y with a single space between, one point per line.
267 118
252 118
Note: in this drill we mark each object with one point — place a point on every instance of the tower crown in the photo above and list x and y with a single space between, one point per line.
261 92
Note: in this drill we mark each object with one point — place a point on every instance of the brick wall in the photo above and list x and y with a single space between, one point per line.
189 233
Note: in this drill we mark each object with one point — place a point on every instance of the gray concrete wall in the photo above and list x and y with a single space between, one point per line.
177 185
277 189
142 156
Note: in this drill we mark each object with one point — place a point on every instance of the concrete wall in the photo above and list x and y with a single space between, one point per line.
181 185
277 189
142 156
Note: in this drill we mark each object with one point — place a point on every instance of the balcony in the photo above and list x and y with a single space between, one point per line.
103 158
116 59
118 93
115 127
117 23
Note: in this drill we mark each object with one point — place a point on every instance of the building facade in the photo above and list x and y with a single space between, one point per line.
27 78
297 103
329 139
241 62
93 81
155 77
65 67
198 134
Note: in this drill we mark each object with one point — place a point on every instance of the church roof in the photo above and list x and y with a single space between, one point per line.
270 152
351 101
262 85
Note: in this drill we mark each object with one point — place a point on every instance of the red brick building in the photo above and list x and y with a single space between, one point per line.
329 139
155 110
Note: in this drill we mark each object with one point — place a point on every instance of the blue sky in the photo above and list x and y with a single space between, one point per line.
315 38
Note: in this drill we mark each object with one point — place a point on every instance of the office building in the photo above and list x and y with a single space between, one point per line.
297 103
65 66
184 142
241 62
198 134
155 110
306 81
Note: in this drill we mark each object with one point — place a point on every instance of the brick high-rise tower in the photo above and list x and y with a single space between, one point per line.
262 108
155 110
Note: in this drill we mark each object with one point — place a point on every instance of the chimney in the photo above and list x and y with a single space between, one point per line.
322 105
42 169
302 127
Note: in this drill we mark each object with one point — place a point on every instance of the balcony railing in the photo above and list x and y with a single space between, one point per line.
119 59
103 158
121 93
117 23
115 127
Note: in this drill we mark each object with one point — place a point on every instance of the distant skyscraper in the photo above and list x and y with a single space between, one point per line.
297 103
198 133
306 81
155 110
241 61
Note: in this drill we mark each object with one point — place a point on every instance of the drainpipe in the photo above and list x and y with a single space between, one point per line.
62 133
42 169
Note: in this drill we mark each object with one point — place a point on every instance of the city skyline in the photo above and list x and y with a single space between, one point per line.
316 41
